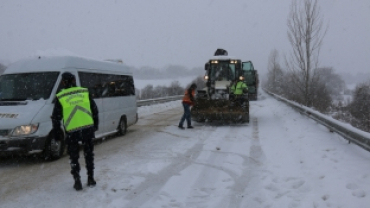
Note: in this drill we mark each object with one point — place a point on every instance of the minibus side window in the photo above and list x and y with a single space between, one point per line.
130 85
117 85
92 81
107 85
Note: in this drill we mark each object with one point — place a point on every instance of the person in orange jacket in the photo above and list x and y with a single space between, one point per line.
187 101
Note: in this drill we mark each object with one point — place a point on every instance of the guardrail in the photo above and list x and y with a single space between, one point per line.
158 100
347 131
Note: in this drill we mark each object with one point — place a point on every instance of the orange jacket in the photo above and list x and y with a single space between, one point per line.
189 96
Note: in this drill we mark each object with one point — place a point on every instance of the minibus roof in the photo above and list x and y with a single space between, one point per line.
57 63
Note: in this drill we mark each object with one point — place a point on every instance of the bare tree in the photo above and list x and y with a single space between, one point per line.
359 108
175 88
147 92
333 81
305 33
199 81
275 73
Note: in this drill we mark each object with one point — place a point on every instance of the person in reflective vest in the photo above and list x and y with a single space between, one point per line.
187 101
79 113
238 88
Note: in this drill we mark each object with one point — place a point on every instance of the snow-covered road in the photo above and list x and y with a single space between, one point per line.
281 159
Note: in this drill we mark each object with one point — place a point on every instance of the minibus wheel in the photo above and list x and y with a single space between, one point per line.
54 149
122 126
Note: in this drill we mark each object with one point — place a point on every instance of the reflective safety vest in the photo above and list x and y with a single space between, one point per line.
239 87
186 98
76 108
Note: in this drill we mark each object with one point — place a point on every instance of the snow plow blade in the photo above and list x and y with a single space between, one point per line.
224 110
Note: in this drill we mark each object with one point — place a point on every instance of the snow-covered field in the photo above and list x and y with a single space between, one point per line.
281 159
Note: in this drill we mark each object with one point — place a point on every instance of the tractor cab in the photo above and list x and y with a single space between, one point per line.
221 71
251 79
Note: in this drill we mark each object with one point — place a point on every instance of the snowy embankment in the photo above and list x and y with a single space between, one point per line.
152 109
183 81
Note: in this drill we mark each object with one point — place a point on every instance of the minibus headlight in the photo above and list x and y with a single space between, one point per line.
25 130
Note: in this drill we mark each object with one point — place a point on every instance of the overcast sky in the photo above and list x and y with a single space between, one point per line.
162 32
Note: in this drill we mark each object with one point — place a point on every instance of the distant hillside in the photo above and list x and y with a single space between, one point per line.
169 72
353 79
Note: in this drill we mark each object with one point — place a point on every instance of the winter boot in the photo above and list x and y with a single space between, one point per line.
77 185
90 181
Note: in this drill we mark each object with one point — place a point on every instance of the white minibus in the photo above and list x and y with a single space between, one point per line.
27 96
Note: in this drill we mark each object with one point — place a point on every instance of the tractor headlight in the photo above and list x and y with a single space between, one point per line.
206 77
25 130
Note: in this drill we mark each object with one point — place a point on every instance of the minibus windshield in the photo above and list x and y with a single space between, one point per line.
27 86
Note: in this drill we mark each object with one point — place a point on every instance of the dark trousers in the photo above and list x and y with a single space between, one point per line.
239 99
186 116
86 137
